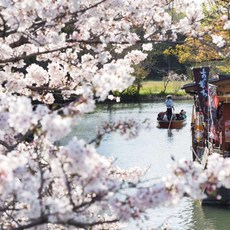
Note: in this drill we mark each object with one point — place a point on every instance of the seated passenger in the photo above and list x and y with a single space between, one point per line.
160 116
165 118
183 114
174 117
178 116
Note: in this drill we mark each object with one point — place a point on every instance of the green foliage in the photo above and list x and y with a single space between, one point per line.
195 51
225 69
140 74
131 91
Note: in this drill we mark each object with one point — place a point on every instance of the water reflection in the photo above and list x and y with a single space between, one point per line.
170 134
217 218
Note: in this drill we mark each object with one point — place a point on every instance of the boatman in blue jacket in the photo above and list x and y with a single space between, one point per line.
170 106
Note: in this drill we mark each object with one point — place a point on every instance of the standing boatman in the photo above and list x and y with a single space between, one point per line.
170 106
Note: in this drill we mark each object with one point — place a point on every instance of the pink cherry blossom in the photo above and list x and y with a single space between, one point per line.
58 58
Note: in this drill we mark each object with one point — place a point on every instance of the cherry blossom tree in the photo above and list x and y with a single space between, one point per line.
75 52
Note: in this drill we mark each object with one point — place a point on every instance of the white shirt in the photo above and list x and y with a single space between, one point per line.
169 103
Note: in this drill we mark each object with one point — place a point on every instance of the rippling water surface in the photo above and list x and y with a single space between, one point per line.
154 149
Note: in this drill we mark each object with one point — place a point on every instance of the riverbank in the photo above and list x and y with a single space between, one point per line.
150 98
146 99
154 91
153 98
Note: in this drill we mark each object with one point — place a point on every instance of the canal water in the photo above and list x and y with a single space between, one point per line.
154 149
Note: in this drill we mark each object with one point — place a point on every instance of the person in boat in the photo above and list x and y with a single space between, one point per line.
183 115
165 118
170 106
161 116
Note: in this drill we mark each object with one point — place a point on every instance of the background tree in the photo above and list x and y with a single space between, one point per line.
210 45
171 77
140 74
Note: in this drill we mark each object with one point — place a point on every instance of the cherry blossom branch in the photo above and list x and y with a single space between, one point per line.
44 220
89 42
20 139
25 56
8 147
41 220
130 128
91 6
87 225
68 185
42 181
4 26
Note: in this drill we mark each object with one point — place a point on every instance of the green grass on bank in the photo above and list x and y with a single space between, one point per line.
157 87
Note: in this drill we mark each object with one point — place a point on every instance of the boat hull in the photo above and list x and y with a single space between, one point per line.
175 124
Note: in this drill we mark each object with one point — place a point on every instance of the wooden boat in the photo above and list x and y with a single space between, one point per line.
175 124
177 121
